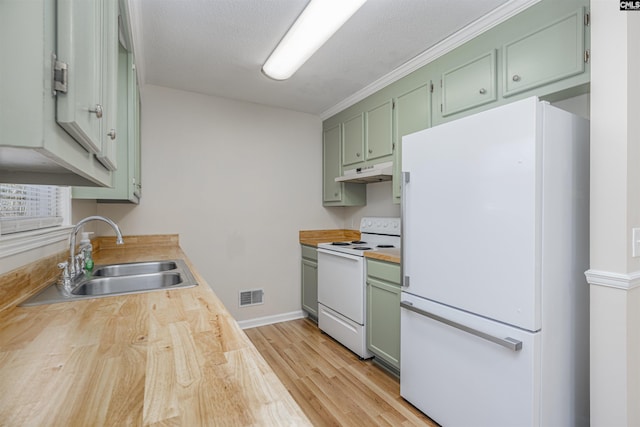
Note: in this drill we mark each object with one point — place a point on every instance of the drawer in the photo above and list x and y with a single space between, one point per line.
387 271
309 252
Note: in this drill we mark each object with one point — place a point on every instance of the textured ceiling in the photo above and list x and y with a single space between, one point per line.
217 47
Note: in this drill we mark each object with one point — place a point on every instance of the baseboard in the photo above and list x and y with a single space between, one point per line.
268 320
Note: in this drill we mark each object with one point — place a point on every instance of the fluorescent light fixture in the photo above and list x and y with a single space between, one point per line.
317 23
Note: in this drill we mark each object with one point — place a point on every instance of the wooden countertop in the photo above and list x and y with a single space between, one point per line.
390 255
164 357
313 237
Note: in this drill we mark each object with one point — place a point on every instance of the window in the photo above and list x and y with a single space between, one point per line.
31 207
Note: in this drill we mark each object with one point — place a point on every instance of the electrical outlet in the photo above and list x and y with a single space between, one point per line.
635 242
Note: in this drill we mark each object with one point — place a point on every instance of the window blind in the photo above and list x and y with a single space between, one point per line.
26 207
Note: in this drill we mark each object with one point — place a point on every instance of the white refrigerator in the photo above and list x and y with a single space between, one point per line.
495 310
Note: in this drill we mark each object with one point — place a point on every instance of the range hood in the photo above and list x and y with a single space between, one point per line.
368 174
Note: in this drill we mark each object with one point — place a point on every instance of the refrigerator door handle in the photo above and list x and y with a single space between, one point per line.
405 179
508 342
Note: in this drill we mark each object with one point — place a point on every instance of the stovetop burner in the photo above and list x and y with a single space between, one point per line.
340 243
358 242
362 248
385 246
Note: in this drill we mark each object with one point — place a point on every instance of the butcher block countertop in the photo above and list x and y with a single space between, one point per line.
313 237
159 358
389 255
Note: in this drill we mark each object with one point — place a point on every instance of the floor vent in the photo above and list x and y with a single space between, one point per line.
252 297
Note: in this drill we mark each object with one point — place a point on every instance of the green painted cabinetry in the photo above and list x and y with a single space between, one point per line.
310 281
412 113
337 193
379 132
126 184
383 311
34 148
353 140
541 51
546 55
469 85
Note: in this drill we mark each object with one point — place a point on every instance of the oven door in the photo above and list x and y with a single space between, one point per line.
341 283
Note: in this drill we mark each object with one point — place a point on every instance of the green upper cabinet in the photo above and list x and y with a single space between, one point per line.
34 148
379 134
353 140
108 154
125 185
412 113
331 190
337 193
469 85
80 107
549 54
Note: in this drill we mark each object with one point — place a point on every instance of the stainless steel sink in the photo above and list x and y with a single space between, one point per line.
132 268
125 284
120 279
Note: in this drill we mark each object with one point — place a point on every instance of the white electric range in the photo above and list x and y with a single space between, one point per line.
342 282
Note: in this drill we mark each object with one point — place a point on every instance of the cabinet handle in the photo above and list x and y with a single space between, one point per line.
112 134
335 194
482 91
97 110
357 154
515 78
370 151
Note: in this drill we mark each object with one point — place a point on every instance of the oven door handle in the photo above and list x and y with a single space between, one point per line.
339 254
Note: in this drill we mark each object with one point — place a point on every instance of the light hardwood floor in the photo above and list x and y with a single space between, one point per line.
331 384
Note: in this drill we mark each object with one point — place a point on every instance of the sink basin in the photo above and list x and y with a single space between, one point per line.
127 284
121 279
131 268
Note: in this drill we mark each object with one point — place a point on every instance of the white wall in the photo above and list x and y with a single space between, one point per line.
237 181
614 274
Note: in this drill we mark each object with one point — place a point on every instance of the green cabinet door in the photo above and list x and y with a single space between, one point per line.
108 155
125 185
379 136
383 311
337 193
310 281
469 85
331 165
551 53
353 140
80 45
412 113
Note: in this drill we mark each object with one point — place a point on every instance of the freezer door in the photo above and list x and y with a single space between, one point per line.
471 214
459 377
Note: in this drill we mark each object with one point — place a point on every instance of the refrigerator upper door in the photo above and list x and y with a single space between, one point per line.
472 213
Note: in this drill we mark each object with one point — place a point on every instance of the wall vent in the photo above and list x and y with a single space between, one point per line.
252 297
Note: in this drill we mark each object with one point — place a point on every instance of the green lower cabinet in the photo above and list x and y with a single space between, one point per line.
383 312
310 281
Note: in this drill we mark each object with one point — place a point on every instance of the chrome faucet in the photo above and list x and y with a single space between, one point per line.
74 267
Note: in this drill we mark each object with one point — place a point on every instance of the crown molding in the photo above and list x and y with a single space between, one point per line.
466 34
